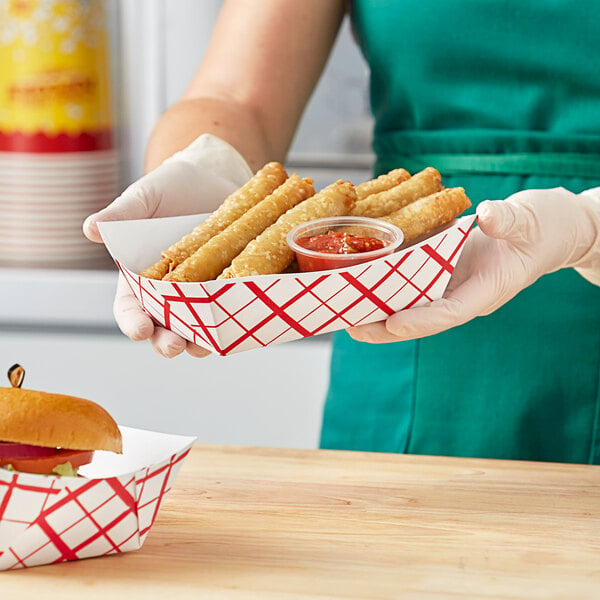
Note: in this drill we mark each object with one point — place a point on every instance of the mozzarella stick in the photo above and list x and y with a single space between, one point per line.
269 252
421 184
158 270
382 183
424 214
210 259
271 176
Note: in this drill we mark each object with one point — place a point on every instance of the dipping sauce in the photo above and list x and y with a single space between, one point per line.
340 242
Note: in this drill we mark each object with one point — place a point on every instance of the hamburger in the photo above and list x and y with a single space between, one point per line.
51 434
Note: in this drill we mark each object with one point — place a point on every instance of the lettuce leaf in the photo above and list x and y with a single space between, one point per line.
65 469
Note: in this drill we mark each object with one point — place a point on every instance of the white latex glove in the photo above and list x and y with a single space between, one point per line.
194 180
518 240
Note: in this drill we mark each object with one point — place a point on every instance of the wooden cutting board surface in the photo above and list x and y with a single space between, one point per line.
247 523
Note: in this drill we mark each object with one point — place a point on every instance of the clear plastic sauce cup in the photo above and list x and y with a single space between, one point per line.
340 242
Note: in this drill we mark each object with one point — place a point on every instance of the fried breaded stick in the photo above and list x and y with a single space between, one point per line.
383 203
422 215
210 259
382 183
269 252
271 176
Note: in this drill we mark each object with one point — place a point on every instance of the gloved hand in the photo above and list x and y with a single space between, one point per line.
518 240
194 180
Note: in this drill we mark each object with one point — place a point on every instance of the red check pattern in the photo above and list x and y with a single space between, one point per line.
235 315
47 519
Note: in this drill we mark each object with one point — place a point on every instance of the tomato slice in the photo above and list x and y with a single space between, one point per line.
43 465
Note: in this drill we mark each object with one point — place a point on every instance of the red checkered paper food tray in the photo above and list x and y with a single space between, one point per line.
108 509
234 315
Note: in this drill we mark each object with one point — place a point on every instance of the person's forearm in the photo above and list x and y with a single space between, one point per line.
187 119
254 80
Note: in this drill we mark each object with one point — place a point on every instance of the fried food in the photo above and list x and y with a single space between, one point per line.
264 182
246 235
424 183
424 214
211 258
381 183
269 252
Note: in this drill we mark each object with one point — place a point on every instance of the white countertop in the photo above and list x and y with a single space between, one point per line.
68 297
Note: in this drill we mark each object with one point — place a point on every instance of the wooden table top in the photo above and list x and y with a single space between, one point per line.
247 523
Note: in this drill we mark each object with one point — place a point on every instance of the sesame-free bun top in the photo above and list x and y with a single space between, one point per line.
56 420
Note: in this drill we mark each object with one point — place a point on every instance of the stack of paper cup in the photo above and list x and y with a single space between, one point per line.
58 162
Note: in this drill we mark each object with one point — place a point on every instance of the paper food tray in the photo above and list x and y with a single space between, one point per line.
109 509
234 315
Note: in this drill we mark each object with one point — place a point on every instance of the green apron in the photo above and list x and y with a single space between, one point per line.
500 96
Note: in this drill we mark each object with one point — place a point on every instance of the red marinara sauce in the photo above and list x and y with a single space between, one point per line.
344 250
340 242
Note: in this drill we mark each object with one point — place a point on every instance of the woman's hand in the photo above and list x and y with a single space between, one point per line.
518 240
194 180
